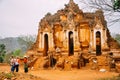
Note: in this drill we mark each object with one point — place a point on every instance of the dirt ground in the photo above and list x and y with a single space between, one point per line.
52 74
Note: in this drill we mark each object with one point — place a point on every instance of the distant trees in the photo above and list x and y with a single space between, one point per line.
117 37
16 52
23 44
5 56
2 52
26 41
111 8
116 5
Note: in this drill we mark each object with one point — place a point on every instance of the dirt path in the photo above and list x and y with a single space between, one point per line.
71 75
81 74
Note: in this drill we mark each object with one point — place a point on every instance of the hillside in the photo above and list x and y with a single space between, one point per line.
14 43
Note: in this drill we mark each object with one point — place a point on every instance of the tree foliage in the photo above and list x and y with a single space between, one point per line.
117 37
16 52
27 41
2 52
111 8
116 5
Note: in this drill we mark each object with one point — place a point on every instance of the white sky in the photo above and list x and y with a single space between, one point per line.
21 17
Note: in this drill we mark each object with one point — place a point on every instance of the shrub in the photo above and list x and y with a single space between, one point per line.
1 59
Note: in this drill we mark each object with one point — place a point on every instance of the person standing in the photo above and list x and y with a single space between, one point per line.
17 64
12 63
25 64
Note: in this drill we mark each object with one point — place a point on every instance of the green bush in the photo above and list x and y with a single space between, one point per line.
1 59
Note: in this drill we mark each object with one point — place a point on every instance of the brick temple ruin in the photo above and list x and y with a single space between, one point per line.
63 36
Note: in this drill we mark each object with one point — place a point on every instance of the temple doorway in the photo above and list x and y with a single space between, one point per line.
45 45
98 43
71 43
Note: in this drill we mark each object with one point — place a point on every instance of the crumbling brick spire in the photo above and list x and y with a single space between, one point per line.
71 2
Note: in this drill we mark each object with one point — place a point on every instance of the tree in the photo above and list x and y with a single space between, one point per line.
2 52
117 37
16 52
111 8
27 41
116 5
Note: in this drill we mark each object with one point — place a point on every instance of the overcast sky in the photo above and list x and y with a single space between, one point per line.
21 17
